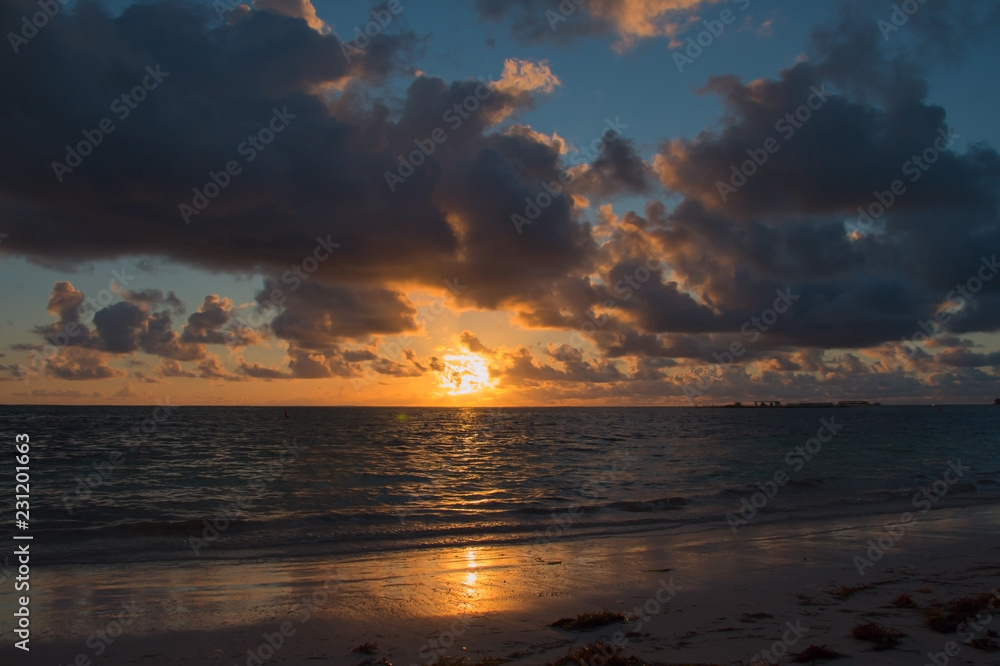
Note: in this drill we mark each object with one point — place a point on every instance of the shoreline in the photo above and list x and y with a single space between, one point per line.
733 597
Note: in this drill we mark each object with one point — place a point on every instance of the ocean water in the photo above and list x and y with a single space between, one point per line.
232 483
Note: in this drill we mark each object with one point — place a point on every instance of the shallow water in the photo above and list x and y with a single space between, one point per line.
247 484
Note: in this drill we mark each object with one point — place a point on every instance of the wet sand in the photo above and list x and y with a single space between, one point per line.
700 596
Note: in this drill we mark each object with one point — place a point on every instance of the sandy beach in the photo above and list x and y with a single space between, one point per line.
706 596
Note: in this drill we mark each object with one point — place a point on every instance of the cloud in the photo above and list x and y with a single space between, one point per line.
523 369
155 298
318 317
788 223
206 325
523 76
323 177
81 365
302 9
471 342
213 368
172 368
652 294
534 21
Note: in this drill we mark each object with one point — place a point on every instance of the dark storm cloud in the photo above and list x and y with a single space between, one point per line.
130 326
965 358
618 169
118 327
321 179
318 317
206 325
863 122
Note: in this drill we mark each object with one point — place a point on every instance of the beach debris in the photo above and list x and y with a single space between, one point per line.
464 661
904 601
986 644
845 591
598 653
946 618
753 617
591 620
370 647
815 653
880 636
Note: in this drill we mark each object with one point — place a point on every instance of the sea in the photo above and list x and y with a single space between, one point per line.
153 484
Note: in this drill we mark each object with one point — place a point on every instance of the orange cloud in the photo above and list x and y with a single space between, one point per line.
523 76
302 9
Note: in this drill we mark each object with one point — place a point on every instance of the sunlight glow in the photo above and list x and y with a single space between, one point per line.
465 373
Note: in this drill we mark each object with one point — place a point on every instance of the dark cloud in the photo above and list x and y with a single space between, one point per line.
340 225
472 343
321 181
206 325
794 222
523 368
119 325
617 169
155 298
318 317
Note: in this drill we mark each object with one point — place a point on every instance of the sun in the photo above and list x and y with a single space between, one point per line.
465 373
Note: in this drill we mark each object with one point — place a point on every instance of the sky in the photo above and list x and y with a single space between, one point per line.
499 202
